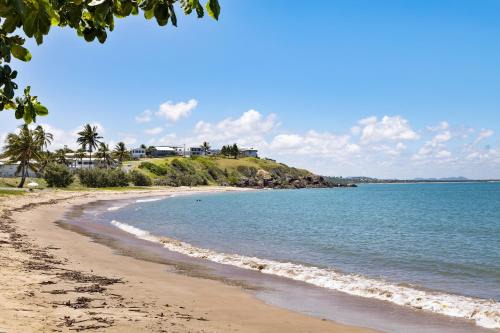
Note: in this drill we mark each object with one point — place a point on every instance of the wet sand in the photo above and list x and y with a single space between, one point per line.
57 280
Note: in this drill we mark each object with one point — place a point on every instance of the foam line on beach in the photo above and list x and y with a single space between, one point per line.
149 200
113 208
485 313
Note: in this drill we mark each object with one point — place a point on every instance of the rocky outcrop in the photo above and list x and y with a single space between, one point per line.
283 180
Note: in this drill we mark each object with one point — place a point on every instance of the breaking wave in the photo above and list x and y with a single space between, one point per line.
485 313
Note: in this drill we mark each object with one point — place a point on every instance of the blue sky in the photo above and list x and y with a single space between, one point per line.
377 88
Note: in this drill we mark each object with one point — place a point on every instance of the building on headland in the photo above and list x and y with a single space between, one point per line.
163 151
249 152
166 151
138 152
196 151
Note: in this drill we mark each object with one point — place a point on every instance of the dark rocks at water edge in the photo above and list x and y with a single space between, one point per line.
289 182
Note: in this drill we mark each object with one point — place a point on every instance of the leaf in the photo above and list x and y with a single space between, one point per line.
20 52
41 110
213 8
19 111
171 12
161 14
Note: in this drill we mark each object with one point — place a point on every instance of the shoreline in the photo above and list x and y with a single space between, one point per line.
57 279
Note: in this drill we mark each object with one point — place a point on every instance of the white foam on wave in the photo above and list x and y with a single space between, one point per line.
483 312
114 208
148 200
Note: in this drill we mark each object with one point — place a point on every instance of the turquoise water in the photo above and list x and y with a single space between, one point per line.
443 237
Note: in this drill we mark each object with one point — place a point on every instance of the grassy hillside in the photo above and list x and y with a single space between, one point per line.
244 172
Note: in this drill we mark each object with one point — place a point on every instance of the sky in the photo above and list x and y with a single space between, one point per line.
388 89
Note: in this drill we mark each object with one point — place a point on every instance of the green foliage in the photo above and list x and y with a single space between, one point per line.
158 170
139 179
102 177
91 19
26 148
58 175
216 170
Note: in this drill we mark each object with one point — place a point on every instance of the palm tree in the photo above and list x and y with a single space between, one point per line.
43 137
89 139
120 152
46 157
80 154
60 156
105 155
24 148
206 147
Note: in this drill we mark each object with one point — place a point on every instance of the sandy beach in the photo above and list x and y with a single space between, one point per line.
57 280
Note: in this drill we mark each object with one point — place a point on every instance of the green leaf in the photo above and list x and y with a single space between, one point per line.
171 12
161 14
20 52
213 8
19 111
41 110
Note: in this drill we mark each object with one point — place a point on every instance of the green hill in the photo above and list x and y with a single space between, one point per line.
242 172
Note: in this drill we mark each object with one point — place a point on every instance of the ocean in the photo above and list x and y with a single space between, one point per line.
428 247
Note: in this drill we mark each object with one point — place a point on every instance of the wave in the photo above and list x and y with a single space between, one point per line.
115 208
149 200
485 313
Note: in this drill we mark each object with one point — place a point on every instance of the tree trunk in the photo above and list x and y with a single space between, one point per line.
90 158
23 176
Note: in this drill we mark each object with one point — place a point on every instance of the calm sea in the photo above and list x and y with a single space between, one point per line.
434 247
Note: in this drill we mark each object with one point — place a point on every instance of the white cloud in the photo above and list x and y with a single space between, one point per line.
314 143
144 117
175 111
444 125
249 128
154 131
442 137
389 128
129 141
443 154
483 134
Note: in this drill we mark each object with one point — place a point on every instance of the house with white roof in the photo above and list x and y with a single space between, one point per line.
163 151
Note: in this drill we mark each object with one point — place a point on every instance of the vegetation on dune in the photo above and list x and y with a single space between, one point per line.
58 175
97 177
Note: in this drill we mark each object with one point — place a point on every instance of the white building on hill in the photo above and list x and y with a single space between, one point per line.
138 153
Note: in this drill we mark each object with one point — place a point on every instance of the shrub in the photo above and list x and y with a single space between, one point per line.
158 170
139 179
103 177
58 175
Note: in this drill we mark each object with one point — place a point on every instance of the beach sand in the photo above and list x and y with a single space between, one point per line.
56 280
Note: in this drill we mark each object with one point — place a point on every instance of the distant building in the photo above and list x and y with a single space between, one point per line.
163 151
249 152
8 170
138 152
196 151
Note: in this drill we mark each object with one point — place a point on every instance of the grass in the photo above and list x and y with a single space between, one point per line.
4 192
